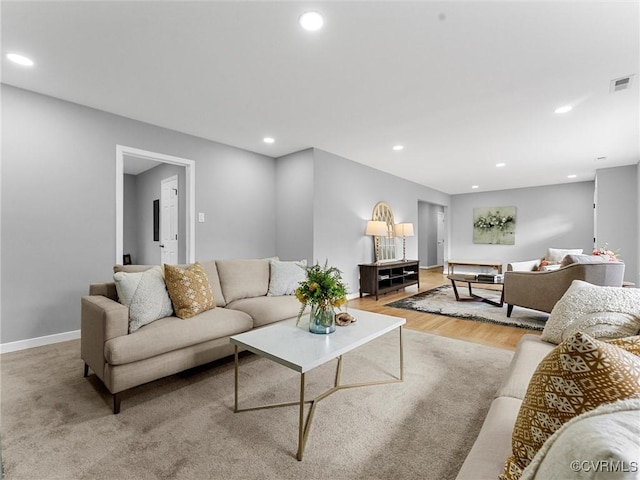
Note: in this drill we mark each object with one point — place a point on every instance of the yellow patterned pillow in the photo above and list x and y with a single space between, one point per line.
577 376
630 344
189 290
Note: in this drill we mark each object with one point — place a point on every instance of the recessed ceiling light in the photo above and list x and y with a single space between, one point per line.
500 165
397 148
311 21
268 140
20 59
564 109
571 176
475 186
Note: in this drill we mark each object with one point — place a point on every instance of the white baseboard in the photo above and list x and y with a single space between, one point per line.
431 266
39 341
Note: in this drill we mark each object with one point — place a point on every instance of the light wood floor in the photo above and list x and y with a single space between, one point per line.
478 332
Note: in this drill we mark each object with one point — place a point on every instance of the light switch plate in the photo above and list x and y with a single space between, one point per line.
201 217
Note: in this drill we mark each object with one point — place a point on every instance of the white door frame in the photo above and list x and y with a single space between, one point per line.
190 196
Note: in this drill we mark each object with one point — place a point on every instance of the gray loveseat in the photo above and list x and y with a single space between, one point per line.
526 287
124 360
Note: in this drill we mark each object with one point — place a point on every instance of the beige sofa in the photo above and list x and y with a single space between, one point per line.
493 445
170 345
540 290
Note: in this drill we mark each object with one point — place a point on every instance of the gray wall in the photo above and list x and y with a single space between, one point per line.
58 204
345 194
617 214
558 216
294 206
148 190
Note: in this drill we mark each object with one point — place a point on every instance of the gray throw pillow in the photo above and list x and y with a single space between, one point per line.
285 277
145 294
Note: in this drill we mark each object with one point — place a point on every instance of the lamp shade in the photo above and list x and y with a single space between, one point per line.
404 229
377 229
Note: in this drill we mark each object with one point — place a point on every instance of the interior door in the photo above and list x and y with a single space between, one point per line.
169 220
440 238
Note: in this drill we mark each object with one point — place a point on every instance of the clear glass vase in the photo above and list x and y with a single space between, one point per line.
322 321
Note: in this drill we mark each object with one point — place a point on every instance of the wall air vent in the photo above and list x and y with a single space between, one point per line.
619 84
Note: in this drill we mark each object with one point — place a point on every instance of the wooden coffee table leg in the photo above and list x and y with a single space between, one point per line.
455 290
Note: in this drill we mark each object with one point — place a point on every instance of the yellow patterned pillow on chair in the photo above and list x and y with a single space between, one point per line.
577 376
189 290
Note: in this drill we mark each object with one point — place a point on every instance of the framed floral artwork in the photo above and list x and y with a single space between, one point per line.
494 225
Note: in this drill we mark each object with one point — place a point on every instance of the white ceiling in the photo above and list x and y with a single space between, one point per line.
463 85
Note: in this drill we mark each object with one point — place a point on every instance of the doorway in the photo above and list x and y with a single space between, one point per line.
124 152
431 234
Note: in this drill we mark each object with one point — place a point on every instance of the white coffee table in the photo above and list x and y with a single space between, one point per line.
298 349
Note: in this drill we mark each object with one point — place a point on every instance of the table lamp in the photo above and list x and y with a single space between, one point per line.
376 229
404 230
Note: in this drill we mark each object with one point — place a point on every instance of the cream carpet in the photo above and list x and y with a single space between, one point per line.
442 300
58 425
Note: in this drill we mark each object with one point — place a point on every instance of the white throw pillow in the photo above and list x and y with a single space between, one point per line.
550 268
555 255
602 312
145 293
285 277
608 433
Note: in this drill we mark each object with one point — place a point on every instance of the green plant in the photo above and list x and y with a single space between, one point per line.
323 288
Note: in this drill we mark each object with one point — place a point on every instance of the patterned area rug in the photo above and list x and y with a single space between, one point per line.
442 301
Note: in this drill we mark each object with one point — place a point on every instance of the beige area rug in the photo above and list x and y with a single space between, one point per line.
58 425
442 301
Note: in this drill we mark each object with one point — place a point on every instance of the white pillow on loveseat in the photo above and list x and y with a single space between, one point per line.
555 255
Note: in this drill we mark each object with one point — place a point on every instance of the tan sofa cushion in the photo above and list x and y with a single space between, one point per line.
172 333
243 278
493 445
211 270
266 310
529 353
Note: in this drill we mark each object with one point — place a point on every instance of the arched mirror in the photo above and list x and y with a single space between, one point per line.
385 245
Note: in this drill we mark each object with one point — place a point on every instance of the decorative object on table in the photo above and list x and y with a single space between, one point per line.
323 290
614 255
384 241
343 319
494 225
404 230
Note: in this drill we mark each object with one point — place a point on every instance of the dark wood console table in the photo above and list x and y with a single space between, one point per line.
379 278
